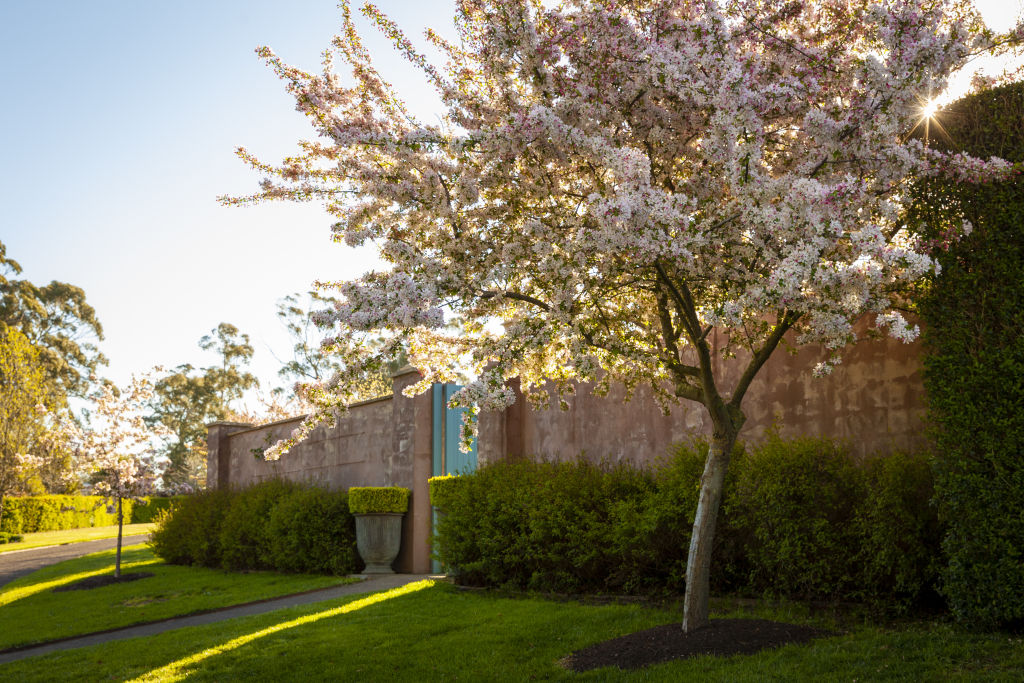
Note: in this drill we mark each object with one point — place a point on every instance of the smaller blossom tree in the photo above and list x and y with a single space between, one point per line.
118 448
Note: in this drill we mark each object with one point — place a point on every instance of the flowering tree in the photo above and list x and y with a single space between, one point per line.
613 181
117 448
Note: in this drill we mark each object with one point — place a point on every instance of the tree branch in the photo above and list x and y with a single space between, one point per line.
761 355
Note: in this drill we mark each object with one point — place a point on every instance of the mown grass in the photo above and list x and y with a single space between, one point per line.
45 538
428 632
30 612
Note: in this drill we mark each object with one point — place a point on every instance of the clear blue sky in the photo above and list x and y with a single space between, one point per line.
117 131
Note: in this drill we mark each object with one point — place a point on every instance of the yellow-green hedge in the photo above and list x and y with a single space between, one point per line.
370 499
29 514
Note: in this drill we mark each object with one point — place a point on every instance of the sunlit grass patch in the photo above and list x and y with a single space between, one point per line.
44 538
181 668
437 633
30 612
64 573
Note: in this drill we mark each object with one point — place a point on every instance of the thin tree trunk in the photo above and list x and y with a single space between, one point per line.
120 526
698 563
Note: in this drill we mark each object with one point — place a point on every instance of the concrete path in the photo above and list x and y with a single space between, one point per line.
373 584
15 563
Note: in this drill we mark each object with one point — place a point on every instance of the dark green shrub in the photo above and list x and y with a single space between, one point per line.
312 531
800 519
31 514
974 364
793 504
272 525
245 538
370 499
483 528
145 514
898 531
570 529
651 531
9 538
189 533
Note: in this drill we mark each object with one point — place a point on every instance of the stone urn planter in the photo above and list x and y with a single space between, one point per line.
378 511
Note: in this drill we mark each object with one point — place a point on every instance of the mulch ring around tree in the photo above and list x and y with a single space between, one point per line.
100 581
720 637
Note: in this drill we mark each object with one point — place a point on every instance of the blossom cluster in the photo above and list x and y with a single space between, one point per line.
611 181
117 447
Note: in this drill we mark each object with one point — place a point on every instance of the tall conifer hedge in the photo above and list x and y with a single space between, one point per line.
974 363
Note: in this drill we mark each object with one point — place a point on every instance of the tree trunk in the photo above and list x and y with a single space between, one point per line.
698 563
120 525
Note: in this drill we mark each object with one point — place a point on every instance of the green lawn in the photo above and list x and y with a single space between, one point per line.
31 612
44 538
427 632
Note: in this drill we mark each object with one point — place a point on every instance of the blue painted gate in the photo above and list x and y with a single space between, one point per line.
448 459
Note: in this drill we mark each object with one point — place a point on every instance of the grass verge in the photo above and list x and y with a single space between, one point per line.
30 612
44 538
427 632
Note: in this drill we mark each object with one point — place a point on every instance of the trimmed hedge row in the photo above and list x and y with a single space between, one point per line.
802 519
276 525
30 514
371 499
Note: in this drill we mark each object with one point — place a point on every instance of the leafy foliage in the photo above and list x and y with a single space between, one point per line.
802 519
271 525
29 514
312 531
186 400
33 420
245 536
58 321
974 367
155 505
370 499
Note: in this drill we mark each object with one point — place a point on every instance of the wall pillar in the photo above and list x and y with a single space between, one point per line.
411 466
218 452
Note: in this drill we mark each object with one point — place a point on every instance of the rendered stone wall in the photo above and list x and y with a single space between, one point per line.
384 442
874 399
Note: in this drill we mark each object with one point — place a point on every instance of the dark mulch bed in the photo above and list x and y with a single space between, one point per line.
668 642
100 581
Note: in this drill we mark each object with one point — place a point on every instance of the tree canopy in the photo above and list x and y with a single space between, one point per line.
612 182
186 399
32 416
58 321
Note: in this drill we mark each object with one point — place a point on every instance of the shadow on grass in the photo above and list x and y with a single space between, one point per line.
93 565
181 668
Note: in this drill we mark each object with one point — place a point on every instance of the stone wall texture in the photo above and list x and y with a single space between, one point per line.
874 400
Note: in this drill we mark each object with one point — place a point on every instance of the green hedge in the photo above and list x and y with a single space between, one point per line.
54 513
801 519
276 525
974 364
148 513
369 499
9 538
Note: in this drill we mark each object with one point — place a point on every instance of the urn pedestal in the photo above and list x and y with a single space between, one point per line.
378 540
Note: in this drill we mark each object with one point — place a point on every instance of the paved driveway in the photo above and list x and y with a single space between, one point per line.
17 563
